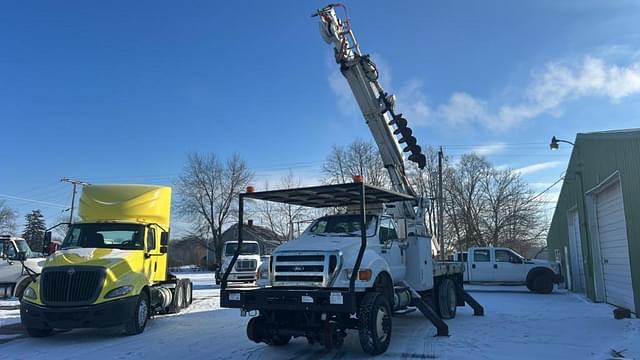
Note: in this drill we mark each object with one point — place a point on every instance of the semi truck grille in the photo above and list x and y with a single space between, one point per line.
246 265
305 269
71 285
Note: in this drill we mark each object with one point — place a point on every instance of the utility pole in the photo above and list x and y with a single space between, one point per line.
75 183
440 211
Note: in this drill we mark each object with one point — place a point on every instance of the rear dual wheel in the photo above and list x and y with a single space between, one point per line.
446 299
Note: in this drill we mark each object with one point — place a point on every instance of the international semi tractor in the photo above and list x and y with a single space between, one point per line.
111 268
354 269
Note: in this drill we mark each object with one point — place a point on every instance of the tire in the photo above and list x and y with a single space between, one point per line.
139 317
39 332
542 283
374 328
177 303
20 287
446 299
188 293
257 332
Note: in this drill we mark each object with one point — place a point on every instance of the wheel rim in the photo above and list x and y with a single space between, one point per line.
382 324
143 311
189 293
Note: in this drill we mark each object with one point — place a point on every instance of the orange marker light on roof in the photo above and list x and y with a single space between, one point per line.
250 189
358 179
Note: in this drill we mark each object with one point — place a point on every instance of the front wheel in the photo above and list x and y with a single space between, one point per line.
542 284
139 318
374 323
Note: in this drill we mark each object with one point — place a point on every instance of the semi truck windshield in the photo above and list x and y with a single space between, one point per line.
109 236
247 249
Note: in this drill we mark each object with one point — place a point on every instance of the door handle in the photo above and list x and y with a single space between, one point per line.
495 266
473 266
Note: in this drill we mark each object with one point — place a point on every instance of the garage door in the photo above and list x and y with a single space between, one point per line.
614 247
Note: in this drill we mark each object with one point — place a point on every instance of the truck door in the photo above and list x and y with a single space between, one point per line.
10 270
481 266
390 250
508 267
150 262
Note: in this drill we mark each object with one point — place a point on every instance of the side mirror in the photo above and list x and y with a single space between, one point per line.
163 249
164 239
21 256
46 244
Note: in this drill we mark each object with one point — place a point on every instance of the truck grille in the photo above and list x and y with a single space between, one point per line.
304 269
246 265
71 285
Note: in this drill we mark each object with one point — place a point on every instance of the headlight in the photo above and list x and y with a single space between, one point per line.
263 272
29 293
119 291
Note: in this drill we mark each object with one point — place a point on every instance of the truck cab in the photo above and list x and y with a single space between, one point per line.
247 265
506 266
112 266
12 273
334 241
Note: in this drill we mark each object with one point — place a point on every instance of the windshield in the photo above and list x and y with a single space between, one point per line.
247 249
109 236
23 246
343 225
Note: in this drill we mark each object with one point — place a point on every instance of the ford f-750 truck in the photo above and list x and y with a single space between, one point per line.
112 265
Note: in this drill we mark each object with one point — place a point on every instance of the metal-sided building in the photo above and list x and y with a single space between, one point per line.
595 231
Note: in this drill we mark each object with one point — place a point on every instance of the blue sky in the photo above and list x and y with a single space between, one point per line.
121 91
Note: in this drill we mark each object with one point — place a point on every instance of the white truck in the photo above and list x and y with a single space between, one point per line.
247 264
355 269
13 276
505 266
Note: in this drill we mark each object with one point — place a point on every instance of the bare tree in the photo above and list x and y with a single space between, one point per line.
7 219
282 218
359 158
207 191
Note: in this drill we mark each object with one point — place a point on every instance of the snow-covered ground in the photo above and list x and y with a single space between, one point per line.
517 325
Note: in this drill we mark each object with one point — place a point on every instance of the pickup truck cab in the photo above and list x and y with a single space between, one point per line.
12 274
505 266
246 266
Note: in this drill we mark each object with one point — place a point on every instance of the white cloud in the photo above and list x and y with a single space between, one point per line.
534 168
489 149
549 88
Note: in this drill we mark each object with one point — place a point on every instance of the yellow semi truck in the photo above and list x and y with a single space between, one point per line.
112 266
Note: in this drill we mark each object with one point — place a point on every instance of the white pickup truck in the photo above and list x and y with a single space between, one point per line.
505 266
12 274
246 266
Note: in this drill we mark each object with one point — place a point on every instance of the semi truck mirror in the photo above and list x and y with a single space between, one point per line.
47 238
164 239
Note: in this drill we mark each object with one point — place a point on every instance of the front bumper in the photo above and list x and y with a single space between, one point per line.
323 300
112 313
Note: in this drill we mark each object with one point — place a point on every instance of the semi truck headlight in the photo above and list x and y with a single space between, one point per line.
119 291
29 293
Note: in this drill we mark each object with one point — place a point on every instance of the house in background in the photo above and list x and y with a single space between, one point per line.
595 230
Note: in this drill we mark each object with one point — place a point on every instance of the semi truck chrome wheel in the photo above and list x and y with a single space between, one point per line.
143 313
